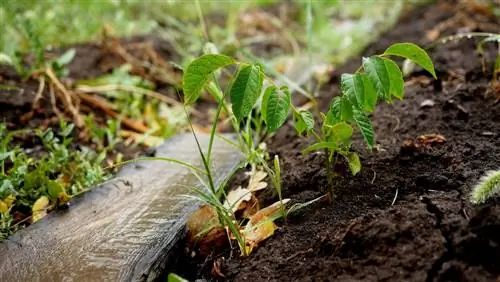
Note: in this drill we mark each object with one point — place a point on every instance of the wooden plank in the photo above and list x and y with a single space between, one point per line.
124 230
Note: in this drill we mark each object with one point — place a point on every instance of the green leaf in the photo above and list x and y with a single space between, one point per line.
54 189
345 109
396 78
66 58
353 161
172 277
245 90
365 126
376 70
341 133
5 155
414 53
277 103
66 130
199 72
333 115
360 91
319 146
304 121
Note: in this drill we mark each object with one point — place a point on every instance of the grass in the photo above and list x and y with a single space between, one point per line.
317 31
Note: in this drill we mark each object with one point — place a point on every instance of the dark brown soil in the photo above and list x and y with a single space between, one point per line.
406 216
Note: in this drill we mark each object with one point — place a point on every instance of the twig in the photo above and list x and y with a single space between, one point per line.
67 101
41 87
53 102
128 88
129 123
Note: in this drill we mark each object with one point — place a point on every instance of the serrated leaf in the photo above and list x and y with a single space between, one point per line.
245 90
345 109
277 103
333 115
304 121
319 146
396 78
353 162
360 91
365 126
414 53
376 70
199 72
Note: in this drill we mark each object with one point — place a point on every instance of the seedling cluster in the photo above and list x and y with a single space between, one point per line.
257 107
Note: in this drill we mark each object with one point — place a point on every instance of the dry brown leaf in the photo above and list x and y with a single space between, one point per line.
250 207
255 234
235 198
205 232
202 220
260 226
269 211
255 183
430 139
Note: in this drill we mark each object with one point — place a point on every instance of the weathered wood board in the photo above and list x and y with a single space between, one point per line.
121 231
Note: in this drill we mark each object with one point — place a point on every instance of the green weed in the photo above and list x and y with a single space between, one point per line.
58 173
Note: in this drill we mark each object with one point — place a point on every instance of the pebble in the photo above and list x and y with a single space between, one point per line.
427 103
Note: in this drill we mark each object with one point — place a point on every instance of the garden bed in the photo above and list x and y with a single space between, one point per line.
406 215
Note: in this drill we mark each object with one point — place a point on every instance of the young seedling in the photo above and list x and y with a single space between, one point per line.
250 125
379 78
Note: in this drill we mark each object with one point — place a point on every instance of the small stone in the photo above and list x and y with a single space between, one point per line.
488 133
427 103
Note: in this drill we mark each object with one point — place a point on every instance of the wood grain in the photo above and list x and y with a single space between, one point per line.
123 230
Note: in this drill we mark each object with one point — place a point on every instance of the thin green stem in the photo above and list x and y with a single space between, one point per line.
214 125
329 176
167 159
202 20
309 21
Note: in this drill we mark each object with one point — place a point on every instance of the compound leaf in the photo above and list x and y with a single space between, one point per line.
245 90
413 53
199 72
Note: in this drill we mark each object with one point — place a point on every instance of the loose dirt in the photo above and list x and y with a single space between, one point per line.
406 216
